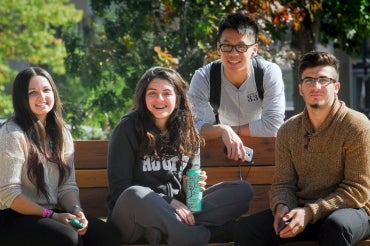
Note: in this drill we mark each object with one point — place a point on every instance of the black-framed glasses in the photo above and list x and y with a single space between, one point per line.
241 48
323 81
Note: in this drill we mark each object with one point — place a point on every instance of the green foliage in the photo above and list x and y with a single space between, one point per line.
5 98
125 38
108 52
346 24
341 24
30 31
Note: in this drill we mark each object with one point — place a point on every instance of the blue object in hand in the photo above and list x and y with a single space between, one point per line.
75 223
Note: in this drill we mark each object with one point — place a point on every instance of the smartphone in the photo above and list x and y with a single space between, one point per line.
282 225
76 223
248 154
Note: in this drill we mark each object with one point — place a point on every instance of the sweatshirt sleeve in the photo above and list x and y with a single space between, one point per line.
273 104
122 152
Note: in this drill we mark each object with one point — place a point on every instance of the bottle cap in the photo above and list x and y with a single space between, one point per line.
196 162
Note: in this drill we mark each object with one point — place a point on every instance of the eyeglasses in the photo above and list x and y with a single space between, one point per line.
241 48
323 81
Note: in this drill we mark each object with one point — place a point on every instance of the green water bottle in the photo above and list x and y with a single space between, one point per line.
194 194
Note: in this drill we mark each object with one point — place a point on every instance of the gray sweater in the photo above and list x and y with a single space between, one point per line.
13 175
325 170
239 106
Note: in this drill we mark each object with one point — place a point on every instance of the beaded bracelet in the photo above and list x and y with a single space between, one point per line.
47 213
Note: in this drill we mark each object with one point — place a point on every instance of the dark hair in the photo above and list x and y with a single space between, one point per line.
36 134
318 58
239 22
183 136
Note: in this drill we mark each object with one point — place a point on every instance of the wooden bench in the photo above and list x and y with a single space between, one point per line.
91 160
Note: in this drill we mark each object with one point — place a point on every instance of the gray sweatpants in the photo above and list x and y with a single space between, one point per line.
140 207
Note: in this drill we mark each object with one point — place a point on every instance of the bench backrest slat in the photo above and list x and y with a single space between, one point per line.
91 154
212 154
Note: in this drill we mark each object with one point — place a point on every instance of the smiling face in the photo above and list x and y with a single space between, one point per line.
40 97
234 61
319 96
160 99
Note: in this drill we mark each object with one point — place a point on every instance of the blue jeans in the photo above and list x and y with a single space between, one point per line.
343 227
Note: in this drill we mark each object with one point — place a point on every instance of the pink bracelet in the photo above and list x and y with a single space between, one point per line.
47 213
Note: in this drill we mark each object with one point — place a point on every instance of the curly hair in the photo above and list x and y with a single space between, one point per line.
183 137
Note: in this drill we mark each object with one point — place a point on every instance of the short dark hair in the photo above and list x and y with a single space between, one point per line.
318 58
240 22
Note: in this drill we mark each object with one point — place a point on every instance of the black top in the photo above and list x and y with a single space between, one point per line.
126 168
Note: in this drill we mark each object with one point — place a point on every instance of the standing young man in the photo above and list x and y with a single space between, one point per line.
321 186
242 111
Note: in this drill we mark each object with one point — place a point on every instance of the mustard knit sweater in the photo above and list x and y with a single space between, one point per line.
324 170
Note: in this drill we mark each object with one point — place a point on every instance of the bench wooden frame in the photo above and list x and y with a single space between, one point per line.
91 161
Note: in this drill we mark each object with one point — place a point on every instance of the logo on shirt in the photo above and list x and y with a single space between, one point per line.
171 164
253 97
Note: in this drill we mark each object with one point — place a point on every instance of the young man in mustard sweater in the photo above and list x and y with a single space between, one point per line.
321 188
